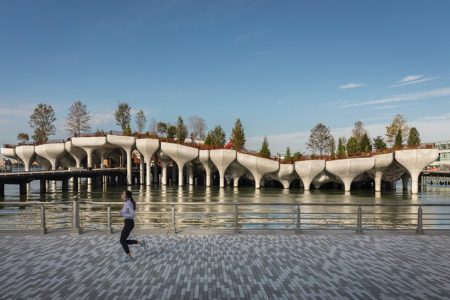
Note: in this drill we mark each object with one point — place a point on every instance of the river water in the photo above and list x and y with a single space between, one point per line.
330 217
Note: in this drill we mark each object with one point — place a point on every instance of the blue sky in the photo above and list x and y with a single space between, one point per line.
281 66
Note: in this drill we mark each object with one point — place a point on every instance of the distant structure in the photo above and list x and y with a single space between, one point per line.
443 161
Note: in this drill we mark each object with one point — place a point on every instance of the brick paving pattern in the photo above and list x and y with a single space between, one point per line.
244 266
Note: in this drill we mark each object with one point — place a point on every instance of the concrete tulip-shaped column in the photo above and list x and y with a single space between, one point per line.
180 154
257 166
51 152
127 144
147 147
286 174
308 169
77 153
415 161
26 154
382 162
347 169
203 156
222 158
89 144
8 153
237 171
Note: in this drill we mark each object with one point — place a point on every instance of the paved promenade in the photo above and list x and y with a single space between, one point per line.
245 266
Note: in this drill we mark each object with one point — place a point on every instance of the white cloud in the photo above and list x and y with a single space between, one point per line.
413 79
442 92
247 36
350 85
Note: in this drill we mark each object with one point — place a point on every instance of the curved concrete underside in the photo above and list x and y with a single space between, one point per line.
381 164
285 175
348 169
222 159
51 152
126 143
26 155
180 154
415 161
307 170
77 153
203 157
257 166
9 153
147 148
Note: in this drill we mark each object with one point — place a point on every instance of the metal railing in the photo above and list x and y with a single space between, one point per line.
236 216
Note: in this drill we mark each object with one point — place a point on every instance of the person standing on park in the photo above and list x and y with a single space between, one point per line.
128 213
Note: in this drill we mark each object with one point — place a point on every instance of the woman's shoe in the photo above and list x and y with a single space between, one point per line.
144 245
126 258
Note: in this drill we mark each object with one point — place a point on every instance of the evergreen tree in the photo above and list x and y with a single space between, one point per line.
238 136
365 144
352 146
161 128
42 121
297 156
413 137
216 137
379 143
182 132
398 144
288 156
341 147
171 132
265 151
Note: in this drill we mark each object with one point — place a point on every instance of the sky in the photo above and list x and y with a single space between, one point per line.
279 66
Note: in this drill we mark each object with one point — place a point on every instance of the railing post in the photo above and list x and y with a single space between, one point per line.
43 221
174 229
109 227
359 229
236 218
76 229
419 228
297 230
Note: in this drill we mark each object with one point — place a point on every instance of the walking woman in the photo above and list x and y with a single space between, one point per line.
128 213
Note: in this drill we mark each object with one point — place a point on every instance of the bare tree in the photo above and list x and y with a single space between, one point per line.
153 127
197 127
78 119
41 120
141 120
398 124
23 137
321 140
358 131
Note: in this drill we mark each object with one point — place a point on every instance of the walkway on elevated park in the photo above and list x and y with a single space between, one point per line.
244 266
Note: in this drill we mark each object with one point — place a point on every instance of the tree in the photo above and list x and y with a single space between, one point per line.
216 137
352 146
78 119
365 145
358 131
341 147
238 136
171 132
198 128
320 140
161 128
141 120
181 130
379 143
398 140
153 126
123 116
297 156
41 120
23 137
288 155
265 151
413 137
398 123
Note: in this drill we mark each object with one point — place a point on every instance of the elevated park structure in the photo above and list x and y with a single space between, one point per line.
192 164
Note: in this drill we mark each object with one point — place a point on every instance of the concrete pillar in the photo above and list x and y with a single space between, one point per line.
155 172
191 174
129 163
307 170
208 177
378 176
141 171
405 181
164 173
236 181
148 179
